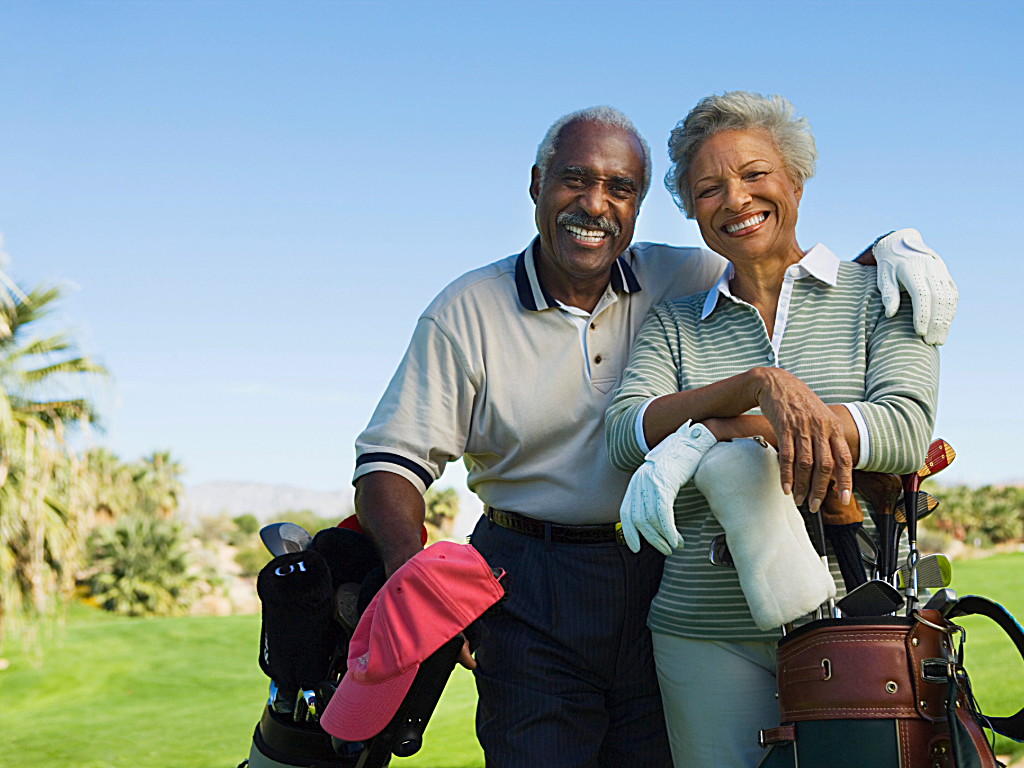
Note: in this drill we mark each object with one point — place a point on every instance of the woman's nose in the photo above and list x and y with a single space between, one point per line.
736 195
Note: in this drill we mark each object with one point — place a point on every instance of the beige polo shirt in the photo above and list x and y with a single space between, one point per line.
495 374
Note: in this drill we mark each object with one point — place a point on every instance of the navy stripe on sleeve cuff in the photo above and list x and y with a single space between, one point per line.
402 461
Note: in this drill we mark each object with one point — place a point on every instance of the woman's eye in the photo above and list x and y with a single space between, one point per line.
755 175
707 192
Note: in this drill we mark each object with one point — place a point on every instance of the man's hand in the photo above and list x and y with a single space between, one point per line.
648 504
466 657
811 438
904 259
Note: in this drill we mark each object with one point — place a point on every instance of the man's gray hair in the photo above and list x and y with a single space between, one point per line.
739 110
601 116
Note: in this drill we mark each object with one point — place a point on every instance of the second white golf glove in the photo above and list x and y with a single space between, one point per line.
904 259
648 505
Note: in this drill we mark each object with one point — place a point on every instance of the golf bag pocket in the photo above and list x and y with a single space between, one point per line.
883 692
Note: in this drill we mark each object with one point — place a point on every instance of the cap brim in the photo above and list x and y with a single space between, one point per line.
358 711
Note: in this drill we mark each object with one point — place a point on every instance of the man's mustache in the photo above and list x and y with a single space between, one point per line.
589 222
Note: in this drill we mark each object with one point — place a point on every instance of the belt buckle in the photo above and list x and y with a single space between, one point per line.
620 537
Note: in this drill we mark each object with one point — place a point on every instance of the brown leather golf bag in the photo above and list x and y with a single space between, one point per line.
885 692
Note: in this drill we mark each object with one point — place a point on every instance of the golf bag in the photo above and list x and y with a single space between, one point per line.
312 601
885 692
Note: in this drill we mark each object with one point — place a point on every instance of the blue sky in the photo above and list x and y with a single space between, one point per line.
253 202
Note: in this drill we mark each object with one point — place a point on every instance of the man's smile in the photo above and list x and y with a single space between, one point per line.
586 236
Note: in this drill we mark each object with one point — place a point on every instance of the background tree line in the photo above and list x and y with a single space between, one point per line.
73 520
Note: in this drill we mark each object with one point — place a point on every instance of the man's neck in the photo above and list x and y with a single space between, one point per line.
572 290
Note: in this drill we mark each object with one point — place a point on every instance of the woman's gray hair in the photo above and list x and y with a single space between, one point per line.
739 110
601 116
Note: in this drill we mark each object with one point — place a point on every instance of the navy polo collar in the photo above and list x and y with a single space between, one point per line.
535 297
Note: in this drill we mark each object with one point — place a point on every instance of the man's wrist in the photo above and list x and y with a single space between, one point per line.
398 556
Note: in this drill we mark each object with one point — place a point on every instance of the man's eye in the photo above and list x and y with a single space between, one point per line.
755 175
573 181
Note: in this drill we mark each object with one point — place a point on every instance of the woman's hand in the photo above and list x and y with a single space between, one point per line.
811 439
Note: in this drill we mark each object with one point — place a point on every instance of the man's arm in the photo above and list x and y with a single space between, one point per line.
904 260
391 510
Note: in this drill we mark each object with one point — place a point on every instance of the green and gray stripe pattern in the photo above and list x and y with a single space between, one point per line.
839 342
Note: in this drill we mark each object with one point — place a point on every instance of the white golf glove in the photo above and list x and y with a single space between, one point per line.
780 574
904 259
648 504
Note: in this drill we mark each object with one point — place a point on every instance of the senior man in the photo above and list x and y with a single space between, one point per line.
512 367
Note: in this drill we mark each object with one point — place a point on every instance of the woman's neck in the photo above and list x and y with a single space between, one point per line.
759 283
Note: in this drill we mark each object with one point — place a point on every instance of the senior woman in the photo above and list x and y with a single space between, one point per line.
779 314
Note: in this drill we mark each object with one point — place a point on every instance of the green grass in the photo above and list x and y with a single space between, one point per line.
119 693
127 693
995 667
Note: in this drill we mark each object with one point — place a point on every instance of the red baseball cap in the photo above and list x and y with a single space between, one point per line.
428 601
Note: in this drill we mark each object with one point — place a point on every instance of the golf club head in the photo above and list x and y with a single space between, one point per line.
719 553
874 598
940 455
880 489
868 548
926 504
942 601
282 538
933 572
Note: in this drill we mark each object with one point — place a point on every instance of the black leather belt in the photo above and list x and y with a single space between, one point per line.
610 533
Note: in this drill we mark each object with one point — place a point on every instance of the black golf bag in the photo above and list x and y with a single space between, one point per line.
312 601
885 692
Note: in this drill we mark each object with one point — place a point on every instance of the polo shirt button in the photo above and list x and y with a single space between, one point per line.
771 357
593 326
597 359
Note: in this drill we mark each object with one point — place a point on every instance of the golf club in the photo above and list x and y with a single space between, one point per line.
818 540
873 598
933 572
719 553
942 601
939 456
926 504
881 490
282 538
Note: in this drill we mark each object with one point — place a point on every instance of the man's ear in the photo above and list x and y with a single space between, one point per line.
799 191
535 183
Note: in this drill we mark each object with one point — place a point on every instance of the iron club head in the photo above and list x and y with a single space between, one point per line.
719 553
874 598
942 601
282 538
933 572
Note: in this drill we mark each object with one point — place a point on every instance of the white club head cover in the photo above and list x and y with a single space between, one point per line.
780 574
904 259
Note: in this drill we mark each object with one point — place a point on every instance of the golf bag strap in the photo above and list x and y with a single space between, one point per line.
776 735
973 605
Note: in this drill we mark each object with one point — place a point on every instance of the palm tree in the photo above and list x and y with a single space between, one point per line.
158 480
41 526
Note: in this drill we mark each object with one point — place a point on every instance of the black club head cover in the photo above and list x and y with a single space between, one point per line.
298 635
350 555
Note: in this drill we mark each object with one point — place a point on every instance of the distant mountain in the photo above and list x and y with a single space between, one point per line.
262 500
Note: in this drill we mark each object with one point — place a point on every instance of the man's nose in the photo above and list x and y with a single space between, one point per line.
594 200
